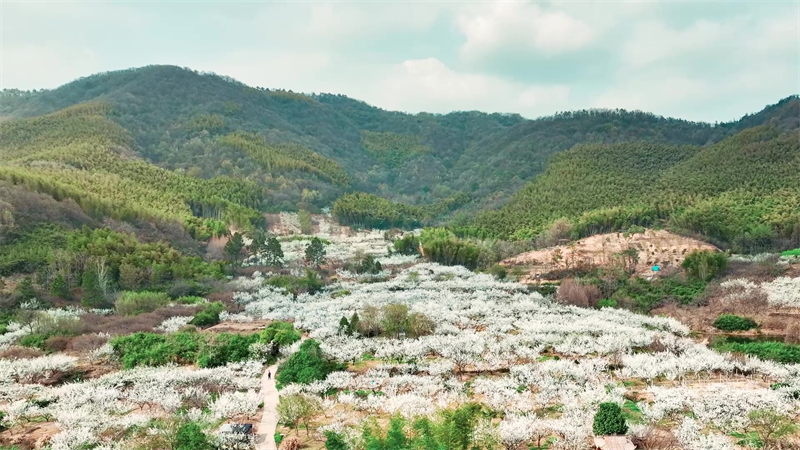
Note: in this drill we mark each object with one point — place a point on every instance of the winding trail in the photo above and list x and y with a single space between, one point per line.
265 438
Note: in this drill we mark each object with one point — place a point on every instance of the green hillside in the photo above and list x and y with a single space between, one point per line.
78 153
312 149
743 191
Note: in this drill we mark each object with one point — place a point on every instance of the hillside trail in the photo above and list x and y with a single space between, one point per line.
265 438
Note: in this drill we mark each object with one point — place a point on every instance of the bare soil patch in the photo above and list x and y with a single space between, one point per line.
654 247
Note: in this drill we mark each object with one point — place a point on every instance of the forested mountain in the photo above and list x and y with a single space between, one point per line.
192 122
742 192
166 145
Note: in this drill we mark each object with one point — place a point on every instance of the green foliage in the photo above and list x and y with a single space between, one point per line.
767 350
304 218
234 247
407 245
392 148
606 187
310 283
59 287
93 296
205 350
315 252
306 365
209 315
647 294
370 211
335 441
24 290
286 156
795 252
607 303
365 265
441 246
730 322
190 436
609 420
224 348
133 303
500 272
34 340
450 429
705 265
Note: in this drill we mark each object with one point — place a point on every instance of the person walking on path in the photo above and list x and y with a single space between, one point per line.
265 438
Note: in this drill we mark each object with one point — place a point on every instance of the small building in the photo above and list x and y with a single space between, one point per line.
613 443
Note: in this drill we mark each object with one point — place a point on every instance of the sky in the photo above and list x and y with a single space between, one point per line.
697 60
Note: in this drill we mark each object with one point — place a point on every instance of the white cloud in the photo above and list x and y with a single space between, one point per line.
429 85
683 71
342 21
513 26
37 66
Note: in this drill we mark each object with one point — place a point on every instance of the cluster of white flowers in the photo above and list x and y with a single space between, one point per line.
783 291
14 331
173 324
120 400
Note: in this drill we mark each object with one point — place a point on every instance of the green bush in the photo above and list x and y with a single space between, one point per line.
150 349
795 252
498 271
306 365
134 303
705 265
190 300
767 350
34 340
208 316
407 245
609 420
190 436
335 441
278 438
730 322
310 283
225 348
607 303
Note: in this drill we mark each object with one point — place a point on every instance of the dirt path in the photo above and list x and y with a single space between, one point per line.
265 438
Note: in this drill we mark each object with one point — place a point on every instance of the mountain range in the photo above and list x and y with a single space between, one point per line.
169 153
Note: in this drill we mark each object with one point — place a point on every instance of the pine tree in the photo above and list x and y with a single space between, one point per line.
274 252
315 252
59 288
233 249
92 294
25 290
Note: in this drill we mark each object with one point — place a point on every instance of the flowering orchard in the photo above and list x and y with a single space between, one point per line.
541 367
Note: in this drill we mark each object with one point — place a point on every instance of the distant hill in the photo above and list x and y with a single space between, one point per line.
179 119
163 144
742 192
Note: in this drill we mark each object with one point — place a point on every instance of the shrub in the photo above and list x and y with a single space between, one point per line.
134 303
366 265
310 283
226 348
190 300
609 420
498 271
34 340
150 349
208 316
335 441
407 245
306 365
607 303
768 350
572 292
730 322
705 265
191 437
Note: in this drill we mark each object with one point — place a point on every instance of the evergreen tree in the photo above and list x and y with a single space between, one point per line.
234 246
25 290
59 288
396 437
354 323
92 294
609 420
315 252
273 252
